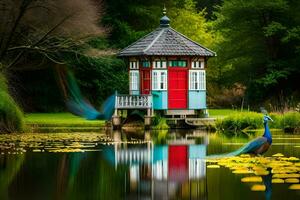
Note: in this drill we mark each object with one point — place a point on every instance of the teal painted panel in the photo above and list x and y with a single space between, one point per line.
135 92
160 100
197 151
197 99
160 152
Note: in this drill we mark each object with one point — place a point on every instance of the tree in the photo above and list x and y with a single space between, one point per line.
192 23
260 47
48 28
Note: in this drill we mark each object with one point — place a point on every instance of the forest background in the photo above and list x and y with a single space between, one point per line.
257 45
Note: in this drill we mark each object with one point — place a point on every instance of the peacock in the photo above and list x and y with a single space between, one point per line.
258 146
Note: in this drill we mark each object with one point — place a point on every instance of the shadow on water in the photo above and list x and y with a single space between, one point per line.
150 165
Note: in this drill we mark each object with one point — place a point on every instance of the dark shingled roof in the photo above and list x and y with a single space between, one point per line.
165 41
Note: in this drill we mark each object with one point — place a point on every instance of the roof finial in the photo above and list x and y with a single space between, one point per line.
164 21
164 10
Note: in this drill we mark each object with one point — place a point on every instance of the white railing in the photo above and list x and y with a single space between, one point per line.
133 101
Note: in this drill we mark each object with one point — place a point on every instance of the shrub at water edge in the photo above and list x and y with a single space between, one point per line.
239 122
290 122
243 121
11 117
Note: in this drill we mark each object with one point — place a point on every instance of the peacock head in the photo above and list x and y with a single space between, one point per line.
267 118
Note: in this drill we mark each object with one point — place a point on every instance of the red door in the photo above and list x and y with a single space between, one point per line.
178 162
145 82
177 96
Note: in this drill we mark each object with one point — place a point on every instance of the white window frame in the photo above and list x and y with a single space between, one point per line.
159 64
159 79
134 77
202 64
197 80
198 64
134 65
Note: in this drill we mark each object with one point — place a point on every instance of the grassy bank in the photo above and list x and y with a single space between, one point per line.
59 119
220 113
61 122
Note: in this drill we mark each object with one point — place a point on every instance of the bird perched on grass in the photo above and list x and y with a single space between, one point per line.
258 146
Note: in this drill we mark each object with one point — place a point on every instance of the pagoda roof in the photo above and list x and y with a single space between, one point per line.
165 41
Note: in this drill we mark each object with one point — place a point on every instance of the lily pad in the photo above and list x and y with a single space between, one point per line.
292 180
243 171
294 187
258 187
261 172
293 159
213 166
286 175
278 155
277 180
252 179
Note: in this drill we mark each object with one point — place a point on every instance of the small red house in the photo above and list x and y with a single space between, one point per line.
166 73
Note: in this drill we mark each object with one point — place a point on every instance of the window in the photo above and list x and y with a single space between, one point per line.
197 80
177 63
134 64
154 80
146 64
159 80
134 80
159 64
163 80
198 64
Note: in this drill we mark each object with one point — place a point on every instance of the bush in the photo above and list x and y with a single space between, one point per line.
238 122
159 123
290 122
11 117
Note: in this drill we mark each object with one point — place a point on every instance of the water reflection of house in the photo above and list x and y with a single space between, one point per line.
165 171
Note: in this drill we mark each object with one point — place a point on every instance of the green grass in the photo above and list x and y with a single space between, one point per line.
59 119
220 113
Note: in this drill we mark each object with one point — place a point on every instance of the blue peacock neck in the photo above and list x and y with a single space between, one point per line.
267 133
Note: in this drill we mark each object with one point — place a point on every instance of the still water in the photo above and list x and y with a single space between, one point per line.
151 165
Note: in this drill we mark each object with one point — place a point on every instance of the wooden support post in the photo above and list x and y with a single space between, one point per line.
148 118
116 122
148 112
206 114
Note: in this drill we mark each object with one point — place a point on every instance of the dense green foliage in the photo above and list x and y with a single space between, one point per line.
11 117
101 77
257 43
259 49
238 122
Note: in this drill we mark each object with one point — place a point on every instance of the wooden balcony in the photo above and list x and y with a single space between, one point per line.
133 102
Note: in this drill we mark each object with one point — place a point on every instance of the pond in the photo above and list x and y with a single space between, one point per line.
150 165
